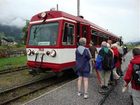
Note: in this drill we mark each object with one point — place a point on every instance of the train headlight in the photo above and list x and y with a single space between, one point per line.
36 52
29 52
48 53
53 53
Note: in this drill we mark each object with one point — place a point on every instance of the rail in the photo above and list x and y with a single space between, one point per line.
6 96
9 70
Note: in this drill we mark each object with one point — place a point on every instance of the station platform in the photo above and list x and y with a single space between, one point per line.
67 94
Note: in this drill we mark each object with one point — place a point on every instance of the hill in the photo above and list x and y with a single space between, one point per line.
11 32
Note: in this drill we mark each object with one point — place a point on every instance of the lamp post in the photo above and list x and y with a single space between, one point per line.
57 7
78 7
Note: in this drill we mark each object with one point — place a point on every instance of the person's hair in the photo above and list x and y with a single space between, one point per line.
136 51
104 44
109 41
114 45
118 43
82 41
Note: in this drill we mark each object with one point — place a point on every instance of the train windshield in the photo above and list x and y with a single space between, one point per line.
43 34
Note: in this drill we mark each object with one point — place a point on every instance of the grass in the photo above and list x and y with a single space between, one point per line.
11 62
12 47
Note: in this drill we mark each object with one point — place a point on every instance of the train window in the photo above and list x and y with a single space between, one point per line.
68 36
94 37
93 32
100 40
43 34
84 31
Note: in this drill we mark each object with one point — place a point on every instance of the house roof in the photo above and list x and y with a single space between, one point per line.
8 40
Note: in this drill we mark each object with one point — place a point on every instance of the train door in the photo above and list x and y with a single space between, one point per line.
68 38
85 32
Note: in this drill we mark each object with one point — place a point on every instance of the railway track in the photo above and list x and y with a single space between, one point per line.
10 70
10 95
102 101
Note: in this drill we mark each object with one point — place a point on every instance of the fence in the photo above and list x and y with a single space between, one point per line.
11 53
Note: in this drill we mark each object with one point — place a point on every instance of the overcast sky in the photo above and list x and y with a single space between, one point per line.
121 17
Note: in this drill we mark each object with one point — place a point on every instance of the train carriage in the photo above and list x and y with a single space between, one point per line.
53 38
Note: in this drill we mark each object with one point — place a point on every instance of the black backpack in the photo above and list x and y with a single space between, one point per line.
107 62
136 73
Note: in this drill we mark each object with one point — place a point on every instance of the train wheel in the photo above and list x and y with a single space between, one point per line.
33 72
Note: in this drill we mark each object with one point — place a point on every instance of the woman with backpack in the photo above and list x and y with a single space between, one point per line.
104 62
133 75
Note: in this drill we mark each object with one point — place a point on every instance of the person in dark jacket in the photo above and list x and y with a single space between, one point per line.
83 57
93 51
129 76
104 74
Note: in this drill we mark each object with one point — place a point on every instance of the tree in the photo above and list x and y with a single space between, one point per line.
2 35
25 31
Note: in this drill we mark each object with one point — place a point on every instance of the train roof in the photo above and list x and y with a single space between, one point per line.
57 14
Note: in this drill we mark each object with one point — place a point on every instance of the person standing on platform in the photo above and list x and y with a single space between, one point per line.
83 57
109 44
104 62
133 75
93 52
119 69
117 62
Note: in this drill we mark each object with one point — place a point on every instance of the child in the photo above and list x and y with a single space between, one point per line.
133 75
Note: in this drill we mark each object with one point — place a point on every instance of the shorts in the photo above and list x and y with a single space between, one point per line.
83 74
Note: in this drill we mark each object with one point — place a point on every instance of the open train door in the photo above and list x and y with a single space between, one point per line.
85 32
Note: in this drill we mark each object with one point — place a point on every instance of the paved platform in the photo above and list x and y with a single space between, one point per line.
67 94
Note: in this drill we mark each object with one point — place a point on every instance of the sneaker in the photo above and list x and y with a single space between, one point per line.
111 83
85 96
79 93
103 90
104 87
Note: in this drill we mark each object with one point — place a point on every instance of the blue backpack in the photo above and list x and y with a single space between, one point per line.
98 64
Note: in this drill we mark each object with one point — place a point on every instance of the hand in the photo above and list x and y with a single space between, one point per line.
124 89
93 60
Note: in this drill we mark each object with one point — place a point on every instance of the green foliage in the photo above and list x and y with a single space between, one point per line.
20 45
12 62
2 35
25 31
14 47
131 46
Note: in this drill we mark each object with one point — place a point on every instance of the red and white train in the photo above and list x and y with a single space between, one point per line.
53 38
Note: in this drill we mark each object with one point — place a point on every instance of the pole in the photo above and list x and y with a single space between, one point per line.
57 7
78 7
